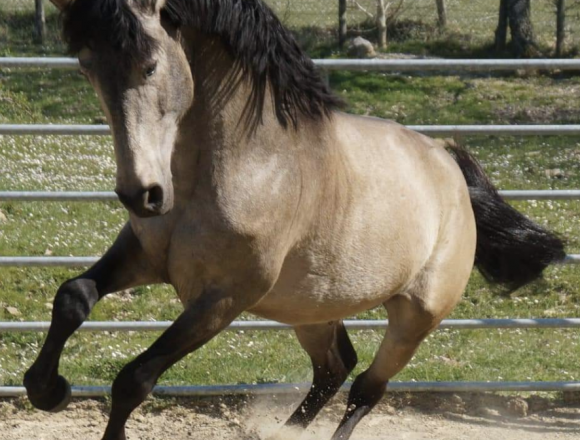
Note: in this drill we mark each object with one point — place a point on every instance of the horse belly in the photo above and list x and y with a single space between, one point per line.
321 286
357 260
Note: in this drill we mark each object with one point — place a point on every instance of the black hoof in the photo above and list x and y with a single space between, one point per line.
54 400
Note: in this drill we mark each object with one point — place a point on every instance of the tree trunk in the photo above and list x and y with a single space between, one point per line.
519 14
382 23
560 24
441 14
39 22
502 26
342 29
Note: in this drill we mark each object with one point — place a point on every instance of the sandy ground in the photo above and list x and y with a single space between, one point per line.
411 418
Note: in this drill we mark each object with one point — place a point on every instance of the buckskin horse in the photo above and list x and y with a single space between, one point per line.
249 190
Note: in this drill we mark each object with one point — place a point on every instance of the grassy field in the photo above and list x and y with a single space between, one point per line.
86 163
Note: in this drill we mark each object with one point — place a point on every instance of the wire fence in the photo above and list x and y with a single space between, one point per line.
470 23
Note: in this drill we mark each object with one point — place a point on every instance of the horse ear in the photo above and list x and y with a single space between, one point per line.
61 4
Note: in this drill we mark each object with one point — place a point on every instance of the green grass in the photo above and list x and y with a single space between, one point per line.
86 163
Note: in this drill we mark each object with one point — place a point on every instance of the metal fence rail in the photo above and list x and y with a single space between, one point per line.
431 130
60 196
88 261
109 196
393 65
374 324
289 388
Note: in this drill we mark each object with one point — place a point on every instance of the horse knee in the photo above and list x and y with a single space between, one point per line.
73 303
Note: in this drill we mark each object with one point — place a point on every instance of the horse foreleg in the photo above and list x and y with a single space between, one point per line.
123 266
212 312
333 358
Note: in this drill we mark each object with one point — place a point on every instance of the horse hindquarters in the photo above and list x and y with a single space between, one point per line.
415 312
511 249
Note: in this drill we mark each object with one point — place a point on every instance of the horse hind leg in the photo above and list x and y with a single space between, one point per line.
412 316
333 358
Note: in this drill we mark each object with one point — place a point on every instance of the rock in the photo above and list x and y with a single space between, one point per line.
487 412
13 311
3 218
556 173
518 407
361 48
538 404
453 403
571 397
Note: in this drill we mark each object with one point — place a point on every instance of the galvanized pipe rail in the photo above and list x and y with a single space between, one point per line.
572 259
60 196
356 324
109 196
392 65
289 388
431 130
279 389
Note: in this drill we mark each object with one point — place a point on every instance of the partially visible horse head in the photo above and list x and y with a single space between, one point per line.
134 60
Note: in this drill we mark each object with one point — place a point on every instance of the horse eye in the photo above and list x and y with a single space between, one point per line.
149 71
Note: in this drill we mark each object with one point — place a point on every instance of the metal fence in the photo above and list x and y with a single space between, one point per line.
394 65
469 22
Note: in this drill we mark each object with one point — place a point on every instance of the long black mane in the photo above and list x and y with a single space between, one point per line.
265 51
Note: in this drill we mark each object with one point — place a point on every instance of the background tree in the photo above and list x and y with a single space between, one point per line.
517 14
382 22
342 25
560 26
441 14
39 22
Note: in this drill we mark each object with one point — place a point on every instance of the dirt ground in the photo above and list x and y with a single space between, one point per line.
420 417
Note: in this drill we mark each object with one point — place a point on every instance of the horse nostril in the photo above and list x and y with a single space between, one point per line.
154 198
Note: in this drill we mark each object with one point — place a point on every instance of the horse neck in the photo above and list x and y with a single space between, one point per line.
221 95
215 127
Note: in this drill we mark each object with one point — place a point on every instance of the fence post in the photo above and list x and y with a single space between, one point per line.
502 27
39 22
560 26
342 27
441 14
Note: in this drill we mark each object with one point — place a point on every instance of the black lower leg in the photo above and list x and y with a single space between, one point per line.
45 388
122 266
364 395
194 327
328 378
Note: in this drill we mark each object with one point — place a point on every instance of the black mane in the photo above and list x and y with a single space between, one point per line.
264 50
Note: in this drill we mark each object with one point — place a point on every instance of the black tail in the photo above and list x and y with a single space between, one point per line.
511 249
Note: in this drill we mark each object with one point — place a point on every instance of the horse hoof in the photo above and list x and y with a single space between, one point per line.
62 389
54 400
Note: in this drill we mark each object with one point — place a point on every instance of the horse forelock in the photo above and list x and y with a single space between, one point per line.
264 50
109 23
